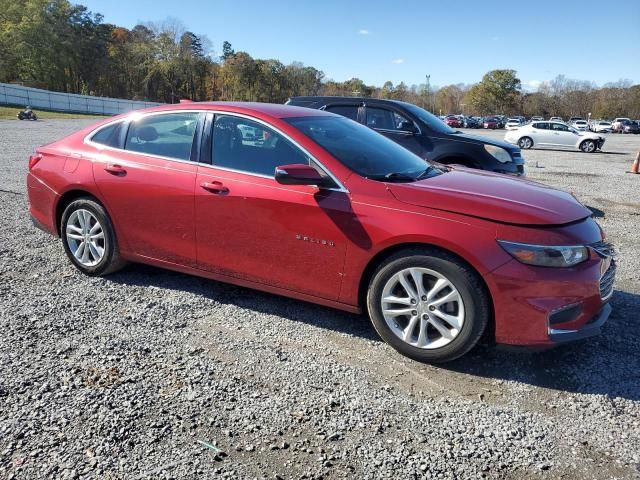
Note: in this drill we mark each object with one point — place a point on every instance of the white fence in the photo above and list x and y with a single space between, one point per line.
66 102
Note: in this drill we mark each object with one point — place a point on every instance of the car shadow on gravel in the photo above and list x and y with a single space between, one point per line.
577 152
604 365
255 300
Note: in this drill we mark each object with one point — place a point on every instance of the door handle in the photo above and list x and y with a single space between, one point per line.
115 169
214 187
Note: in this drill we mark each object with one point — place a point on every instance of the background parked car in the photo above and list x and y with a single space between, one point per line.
513 123
537 119
421 132
580 125
473 122
618 124
601 126
554 134
556 119
454 121
491 123
630 127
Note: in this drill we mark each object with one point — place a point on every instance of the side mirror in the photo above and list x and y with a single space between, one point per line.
408 127
301 174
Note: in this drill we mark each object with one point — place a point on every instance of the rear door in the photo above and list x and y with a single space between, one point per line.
149 185
541 133
395 125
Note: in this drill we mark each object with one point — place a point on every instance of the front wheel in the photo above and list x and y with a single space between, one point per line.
588 146
428 305
525 143
89 238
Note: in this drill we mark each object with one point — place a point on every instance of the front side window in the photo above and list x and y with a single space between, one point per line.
349 111
248 146
167 135
383 119
558 127
362 150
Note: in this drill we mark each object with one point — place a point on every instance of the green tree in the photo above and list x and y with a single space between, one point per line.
498 92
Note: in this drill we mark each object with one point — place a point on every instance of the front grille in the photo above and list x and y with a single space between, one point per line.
604 249
607 281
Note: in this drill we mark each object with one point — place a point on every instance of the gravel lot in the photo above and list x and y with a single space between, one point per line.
154 374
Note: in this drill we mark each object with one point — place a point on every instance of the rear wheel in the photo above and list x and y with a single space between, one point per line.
89 238
525 143
428 305
588 146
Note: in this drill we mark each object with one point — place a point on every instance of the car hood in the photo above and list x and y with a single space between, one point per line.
492 196
485 140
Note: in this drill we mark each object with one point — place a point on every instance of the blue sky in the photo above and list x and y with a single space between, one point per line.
453 41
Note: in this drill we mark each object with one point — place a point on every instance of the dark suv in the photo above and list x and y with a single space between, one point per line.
421 132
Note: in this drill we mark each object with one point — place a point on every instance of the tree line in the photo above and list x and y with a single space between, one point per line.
60 46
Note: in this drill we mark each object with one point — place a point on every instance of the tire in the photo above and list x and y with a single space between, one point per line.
34 117
20 116
86 211
469 307
588 146
525 143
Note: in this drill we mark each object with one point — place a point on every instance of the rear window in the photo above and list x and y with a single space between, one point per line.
109 135
349 111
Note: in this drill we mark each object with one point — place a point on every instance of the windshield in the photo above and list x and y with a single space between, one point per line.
362 150
430 121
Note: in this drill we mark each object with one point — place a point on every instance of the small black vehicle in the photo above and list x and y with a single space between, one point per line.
422 133
27 114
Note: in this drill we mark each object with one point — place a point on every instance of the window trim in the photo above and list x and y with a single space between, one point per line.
339 186
194 141
208 132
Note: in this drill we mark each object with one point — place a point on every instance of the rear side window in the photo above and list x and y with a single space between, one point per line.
541 126
167 135
248 146
349 111
108 135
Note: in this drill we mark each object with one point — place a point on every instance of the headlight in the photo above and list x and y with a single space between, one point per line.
546 256
498 153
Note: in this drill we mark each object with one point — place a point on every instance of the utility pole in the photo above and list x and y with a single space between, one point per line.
428 77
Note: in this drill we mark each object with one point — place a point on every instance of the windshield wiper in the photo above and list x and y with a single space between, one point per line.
393 176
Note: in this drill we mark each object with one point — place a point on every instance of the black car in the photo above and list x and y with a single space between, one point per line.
421 132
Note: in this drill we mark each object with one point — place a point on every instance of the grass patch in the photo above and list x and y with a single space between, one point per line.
9 113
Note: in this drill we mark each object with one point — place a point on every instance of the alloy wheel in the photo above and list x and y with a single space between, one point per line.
85 237
525 143
423 308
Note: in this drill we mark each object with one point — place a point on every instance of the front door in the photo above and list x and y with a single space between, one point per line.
562 135
149 186
253 228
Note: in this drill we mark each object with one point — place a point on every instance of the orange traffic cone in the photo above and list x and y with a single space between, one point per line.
636 164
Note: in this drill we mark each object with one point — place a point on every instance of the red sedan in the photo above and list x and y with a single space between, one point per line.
453 121
311 205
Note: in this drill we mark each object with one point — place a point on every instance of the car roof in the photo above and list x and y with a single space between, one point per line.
330 98
273 110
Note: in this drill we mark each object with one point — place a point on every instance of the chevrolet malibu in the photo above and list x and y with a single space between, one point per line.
317 207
